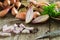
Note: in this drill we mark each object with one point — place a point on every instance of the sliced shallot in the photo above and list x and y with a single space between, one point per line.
6 2
5 34
18 4
16 30
8 29
25 31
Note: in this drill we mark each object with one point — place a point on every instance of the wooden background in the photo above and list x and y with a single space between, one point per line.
50 25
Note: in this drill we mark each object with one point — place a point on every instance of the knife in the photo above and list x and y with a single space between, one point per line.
49 34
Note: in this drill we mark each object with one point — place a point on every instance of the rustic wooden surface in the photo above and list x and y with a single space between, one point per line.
50 25
7 20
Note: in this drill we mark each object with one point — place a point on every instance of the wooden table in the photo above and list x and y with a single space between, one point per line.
50 25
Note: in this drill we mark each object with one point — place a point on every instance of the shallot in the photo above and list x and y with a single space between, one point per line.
18 4
5 34
14 11
6 2
25 31
5 11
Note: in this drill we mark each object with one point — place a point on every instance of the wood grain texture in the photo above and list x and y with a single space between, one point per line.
42 29
55 26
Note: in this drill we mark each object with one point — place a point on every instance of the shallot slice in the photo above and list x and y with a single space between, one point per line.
25 31
22 25
29 28
33 1
16 30
5 34
7 28
15 25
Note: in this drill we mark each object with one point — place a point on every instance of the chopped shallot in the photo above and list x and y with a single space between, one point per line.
25 31
7 28
22 25
16 30
29 28
5 34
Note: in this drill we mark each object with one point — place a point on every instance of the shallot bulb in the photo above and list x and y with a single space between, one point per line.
1 4
13 1
3 34
18 4
5 11
6 2
14 11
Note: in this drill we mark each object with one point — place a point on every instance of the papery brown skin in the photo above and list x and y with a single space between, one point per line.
14 11
18 4
13 1
5 11
6 3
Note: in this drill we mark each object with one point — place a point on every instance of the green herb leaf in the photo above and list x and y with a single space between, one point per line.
50 10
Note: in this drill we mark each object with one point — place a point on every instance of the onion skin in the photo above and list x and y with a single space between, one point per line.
14 11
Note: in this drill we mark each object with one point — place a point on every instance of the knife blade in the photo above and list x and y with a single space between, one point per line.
50 34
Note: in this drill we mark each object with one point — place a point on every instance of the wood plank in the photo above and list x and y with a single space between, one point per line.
55 26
